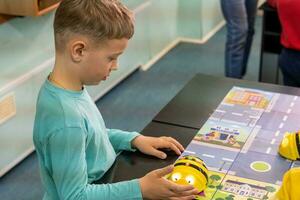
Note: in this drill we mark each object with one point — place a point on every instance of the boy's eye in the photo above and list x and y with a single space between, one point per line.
112 59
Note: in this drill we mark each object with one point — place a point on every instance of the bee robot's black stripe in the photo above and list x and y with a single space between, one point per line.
298 145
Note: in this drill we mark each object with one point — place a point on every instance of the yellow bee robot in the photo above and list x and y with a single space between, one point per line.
290 146
190 170
289 189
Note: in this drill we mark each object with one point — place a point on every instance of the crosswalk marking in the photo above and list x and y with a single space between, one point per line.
273 141
208 155
268 150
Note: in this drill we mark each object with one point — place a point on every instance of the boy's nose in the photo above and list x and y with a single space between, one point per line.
114 66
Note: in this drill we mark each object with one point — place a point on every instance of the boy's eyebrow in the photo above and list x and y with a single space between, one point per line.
117 54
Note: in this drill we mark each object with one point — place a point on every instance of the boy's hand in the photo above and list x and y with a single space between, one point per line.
155 186
151 145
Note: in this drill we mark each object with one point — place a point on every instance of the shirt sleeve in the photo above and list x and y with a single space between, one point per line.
121 140
68 169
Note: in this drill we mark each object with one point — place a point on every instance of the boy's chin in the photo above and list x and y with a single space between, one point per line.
93 83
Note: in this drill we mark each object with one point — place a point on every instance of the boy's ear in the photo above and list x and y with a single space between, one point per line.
78 50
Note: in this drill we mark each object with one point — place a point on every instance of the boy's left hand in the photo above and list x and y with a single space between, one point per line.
151 145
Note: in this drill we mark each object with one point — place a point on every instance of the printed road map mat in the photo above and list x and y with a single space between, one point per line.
239 143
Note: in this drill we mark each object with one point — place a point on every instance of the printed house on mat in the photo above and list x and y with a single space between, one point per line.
247 98
244 189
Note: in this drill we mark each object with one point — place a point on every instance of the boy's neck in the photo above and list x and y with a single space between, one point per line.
64 78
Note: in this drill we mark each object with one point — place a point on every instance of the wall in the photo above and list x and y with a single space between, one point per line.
27 57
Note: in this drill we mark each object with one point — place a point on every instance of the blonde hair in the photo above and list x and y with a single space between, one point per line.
97 19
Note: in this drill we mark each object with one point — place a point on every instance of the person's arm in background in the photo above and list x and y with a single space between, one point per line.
273 3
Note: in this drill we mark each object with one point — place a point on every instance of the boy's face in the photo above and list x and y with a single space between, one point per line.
98 62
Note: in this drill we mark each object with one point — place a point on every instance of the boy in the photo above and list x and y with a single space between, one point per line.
74 147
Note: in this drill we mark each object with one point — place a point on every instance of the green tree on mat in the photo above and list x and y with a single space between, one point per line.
219 187
270 189
265 197
214 178
229 197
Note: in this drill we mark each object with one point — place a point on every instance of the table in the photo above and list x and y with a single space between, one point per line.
181 118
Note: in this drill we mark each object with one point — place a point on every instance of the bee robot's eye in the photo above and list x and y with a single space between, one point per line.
190 180
176 177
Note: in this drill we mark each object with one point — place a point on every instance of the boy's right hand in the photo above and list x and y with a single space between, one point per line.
155 186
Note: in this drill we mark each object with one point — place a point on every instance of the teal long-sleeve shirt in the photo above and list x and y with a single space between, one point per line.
74 147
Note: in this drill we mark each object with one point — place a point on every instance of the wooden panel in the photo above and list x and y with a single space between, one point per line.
18 7
7 107
27 7
4 18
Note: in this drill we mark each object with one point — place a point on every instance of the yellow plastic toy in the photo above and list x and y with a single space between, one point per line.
290 146
190 170
289 189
